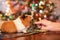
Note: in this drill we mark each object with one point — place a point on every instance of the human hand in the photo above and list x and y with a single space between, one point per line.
51 26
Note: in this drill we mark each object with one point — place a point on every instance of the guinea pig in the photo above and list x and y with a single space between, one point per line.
20 24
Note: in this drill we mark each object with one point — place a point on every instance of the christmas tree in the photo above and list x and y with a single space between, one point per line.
38 8
41 8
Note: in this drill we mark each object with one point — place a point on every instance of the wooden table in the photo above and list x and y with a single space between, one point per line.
31 36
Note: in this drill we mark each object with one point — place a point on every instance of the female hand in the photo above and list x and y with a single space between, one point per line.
51 26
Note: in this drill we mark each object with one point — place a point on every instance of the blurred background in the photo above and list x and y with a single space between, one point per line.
4 8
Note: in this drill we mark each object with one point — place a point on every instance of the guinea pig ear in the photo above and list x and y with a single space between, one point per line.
23 16
26 15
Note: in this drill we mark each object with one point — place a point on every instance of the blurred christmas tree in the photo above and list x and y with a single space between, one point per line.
38 8
41 8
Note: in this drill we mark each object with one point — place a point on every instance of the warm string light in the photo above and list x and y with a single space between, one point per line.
45 16
39 19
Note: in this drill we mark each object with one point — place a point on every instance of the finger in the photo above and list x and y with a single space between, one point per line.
37 22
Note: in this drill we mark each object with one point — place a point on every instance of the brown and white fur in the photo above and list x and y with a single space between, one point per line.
17 25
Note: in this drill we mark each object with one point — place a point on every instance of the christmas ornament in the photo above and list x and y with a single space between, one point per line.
36 4
40 11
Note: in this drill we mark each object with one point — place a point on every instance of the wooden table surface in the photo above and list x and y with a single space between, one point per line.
34 36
